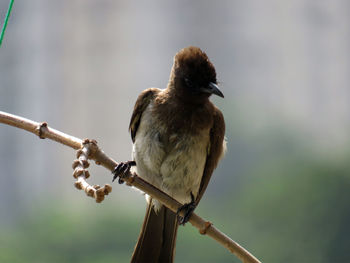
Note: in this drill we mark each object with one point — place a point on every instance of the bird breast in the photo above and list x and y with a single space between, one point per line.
170 160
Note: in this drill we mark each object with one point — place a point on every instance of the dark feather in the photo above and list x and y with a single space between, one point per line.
156 242
141 104
217 136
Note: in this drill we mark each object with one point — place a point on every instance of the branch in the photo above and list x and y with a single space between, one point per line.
88 149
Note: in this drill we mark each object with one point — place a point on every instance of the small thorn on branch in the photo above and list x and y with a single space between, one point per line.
81 173
42 127
203 230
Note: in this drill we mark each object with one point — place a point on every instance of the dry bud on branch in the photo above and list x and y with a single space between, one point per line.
81 174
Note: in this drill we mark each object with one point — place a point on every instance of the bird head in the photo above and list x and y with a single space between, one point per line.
193 74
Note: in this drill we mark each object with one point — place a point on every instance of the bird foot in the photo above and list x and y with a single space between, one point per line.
121 170
188 208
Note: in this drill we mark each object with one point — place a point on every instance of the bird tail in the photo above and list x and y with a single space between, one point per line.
157 239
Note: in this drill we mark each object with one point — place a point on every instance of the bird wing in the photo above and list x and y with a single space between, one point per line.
216 151
141 104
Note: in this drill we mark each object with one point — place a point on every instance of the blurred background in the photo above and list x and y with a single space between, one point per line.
282 190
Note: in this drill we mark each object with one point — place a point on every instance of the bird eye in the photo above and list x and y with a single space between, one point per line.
188 83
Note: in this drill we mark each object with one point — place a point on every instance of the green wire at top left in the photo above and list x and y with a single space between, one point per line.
5 22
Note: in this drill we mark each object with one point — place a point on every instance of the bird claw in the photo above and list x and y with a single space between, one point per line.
188 208
121 170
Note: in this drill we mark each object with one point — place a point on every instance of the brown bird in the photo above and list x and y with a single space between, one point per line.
178 140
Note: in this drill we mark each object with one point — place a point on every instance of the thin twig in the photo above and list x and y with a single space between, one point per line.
95 153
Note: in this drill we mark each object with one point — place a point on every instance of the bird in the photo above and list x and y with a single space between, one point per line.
178 138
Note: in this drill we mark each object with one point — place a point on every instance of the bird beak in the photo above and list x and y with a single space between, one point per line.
212 89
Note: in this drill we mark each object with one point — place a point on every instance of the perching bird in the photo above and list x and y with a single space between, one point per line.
178 140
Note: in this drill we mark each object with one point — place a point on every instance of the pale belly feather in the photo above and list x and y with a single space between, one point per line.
174 164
